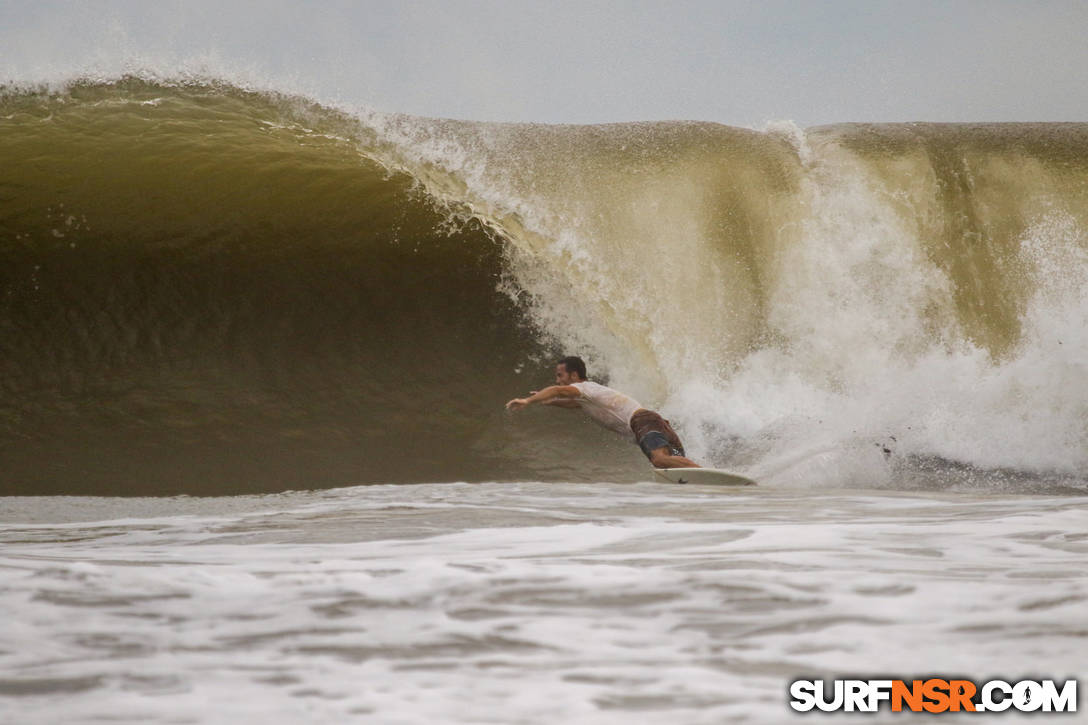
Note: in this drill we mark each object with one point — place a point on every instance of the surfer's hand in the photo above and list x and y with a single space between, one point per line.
517 404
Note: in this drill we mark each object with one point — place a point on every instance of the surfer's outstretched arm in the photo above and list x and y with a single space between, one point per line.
560 402
554 392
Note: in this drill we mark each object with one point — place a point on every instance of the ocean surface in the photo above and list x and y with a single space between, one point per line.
255 466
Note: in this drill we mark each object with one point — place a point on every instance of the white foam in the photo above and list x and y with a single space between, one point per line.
600 603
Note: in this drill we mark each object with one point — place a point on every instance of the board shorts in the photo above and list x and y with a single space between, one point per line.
653 432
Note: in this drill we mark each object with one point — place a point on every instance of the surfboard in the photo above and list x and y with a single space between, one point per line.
703 476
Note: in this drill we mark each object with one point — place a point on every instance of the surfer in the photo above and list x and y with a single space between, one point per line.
613 410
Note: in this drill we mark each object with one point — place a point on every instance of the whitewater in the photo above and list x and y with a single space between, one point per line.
255 465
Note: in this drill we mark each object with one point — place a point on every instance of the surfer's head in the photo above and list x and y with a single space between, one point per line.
570 370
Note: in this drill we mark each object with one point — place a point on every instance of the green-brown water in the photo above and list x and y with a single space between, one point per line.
209 290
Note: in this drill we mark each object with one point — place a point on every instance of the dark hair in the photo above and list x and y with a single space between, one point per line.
574 364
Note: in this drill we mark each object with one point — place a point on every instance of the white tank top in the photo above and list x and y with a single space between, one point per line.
609 407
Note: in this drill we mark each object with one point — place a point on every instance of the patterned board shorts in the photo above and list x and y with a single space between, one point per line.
653 432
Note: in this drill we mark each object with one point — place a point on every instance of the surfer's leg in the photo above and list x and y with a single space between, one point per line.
659 441
663 452
664 457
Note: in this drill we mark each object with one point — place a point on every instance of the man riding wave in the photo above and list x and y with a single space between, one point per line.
612 409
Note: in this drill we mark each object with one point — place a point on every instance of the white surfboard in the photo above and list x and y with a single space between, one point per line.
703 476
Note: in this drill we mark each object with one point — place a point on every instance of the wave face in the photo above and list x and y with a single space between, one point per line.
210 290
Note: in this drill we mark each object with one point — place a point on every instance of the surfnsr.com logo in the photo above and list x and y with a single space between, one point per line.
933 695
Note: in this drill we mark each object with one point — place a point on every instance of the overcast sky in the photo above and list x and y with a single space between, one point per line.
740 63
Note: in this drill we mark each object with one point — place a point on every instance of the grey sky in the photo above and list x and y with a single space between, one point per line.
741 63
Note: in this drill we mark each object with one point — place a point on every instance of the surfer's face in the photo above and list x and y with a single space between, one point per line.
562 377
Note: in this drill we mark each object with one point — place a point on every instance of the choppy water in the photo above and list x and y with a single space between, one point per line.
523 602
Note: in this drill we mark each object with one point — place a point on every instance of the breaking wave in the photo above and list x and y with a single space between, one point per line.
212 290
